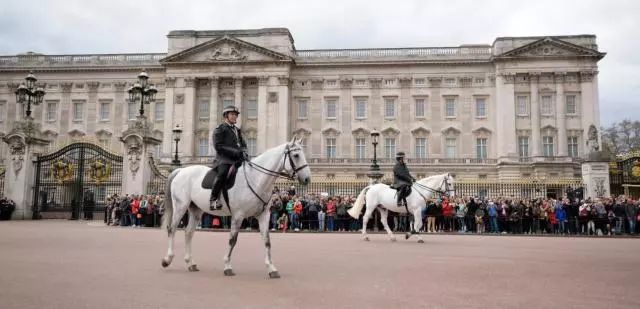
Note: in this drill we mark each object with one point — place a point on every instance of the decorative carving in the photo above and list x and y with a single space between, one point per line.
93 85
534 77
273 97
465 81
599 187
99 171
120 86
179 99
227 52
509 78
375 82
405 81
189 82
283 80
559 76
170 82
67 86
263 80
592 141
62 171
134 151
435 81
547 50
214 80
317 83
587 76
17 151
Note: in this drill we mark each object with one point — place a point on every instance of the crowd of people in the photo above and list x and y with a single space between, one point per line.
134 210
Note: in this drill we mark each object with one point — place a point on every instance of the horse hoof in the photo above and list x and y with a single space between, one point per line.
274 275
164 263
366 239
194 267
407 235
229 272
420 241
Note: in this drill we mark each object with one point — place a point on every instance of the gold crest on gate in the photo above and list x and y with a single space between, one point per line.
99 171
635 170
62 171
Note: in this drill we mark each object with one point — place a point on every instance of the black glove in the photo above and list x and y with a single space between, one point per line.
245 156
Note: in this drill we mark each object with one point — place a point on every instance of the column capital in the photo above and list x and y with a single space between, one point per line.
67 86
508 77
170 82
263 80
93 85
189 82
534 77
587 76
283 80
346 82
405 81
559 77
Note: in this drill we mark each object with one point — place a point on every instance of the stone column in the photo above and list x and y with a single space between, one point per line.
237 82
283 110
189 120
25 143
595 176
535 116
346 100
263 81
138 143
92 107
560 115
589 108
169 107
66 114
506 130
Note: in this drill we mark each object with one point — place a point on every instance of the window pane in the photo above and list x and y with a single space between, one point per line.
546 105
420 107
78 109
203 146
389 147
547 143
571 104
132 111
523 146
450 106
331 109
450 144
481 148
572 143
481 108
302 109
389 108
331 148
227 102
421 147
522 105
361 110
105 108
252 109
252 146
360 148
159 110
203 109
52 108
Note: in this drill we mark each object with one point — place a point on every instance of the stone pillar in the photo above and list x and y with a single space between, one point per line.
283 110
589 108
169 107
560 115
263 81
237 82
506 125
595 176
189 120
25 143
138 143
535 116
346 138
92 107
66 113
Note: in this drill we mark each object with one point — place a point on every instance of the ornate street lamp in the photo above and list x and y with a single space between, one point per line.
28 93
374 170
142 91
176 137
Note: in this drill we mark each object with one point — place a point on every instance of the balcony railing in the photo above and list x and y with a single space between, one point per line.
30 60
434 53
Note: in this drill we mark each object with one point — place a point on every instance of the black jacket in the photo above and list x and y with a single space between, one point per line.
401 175
228 146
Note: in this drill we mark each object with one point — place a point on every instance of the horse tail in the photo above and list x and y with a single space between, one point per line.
354 212
167 218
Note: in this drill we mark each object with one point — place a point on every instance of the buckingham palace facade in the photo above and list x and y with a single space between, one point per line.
520 107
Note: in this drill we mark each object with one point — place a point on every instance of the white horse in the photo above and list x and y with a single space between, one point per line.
383 198
248 197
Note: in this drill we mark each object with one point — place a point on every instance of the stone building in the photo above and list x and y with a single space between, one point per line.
520 107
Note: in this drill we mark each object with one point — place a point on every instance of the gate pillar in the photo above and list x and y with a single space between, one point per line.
595 175
25 144
138 146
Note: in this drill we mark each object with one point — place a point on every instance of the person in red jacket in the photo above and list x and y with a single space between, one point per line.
297 211
135 209
448 213
331 213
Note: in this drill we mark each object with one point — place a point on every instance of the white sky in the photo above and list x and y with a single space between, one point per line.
119 26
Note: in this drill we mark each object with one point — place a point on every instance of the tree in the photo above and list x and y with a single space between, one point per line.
621 137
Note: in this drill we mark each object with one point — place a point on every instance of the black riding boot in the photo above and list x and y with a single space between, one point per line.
214 204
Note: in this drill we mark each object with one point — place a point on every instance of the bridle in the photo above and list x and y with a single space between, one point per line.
278 174
439 190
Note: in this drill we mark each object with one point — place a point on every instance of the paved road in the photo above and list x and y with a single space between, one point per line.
63 264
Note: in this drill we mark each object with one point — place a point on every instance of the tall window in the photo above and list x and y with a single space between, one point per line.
203 109
105 141
132 110
450 107
159 110
421 147
420 108
252 109
105 111
331 109
451 147
78 110
302 109
481 148
389 108
361 147
52 110
547 146
332 150
227 102
252 146
2 111
571 104
572 144
523 146
157 151
545 108
481 108
389 147
361 109
521 105
203 146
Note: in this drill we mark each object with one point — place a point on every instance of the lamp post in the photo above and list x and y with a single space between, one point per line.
374 169
142 91
28 93
176 137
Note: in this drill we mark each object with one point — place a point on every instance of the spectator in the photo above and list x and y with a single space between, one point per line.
631 211
492 209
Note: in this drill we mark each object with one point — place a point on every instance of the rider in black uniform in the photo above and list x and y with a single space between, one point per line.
402 179
231 151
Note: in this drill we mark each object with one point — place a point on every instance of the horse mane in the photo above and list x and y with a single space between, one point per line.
427 180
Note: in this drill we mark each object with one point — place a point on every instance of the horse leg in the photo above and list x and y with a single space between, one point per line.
195 215
365 218
263 220
172 223
383 217
417 224
233 239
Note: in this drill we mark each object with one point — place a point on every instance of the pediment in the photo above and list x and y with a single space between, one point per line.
481 130
302 132
104 132
360 132
390 131
76 133
420 131
331 131
551 47
224 50
451 131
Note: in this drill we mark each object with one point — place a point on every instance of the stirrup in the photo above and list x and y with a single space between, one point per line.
214 205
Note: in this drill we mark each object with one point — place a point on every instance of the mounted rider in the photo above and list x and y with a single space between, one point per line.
231 151
402 179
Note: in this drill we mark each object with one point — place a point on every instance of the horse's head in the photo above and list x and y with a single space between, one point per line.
448 185
295 162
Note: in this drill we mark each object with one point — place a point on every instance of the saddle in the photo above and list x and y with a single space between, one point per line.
210 177
402 191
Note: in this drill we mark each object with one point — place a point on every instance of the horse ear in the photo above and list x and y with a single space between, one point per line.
293 140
